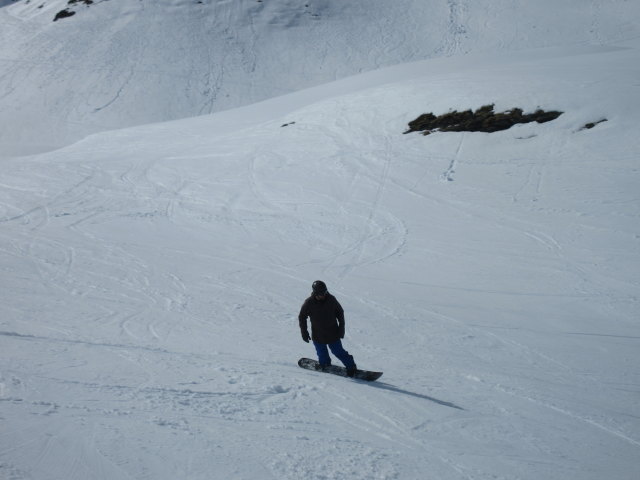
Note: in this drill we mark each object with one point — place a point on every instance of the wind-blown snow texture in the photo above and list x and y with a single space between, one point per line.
151 276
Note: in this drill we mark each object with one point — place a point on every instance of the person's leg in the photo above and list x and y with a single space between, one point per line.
341 354
323 354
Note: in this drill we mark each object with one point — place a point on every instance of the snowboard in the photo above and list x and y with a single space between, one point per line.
310 364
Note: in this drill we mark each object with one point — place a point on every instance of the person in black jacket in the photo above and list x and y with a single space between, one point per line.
327 326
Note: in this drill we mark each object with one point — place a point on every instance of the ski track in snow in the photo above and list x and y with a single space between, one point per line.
152 278
230 396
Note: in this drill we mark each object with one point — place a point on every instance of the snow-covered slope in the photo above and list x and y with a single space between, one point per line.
118 63
151 279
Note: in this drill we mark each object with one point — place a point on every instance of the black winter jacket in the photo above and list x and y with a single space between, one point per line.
327 319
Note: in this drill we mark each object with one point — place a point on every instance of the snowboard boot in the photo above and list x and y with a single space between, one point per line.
351 371
323 368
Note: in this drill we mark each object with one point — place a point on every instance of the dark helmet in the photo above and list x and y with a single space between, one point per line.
319 288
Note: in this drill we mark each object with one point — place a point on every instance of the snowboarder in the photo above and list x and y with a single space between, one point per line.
327 326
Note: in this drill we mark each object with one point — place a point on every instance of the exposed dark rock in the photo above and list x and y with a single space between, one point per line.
484 119
593 124
66 13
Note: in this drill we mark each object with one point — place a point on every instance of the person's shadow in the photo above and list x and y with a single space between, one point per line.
391 388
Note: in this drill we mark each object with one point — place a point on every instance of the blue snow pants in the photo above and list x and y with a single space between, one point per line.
322 349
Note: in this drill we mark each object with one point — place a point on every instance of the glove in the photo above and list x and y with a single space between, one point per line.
341 332
305 336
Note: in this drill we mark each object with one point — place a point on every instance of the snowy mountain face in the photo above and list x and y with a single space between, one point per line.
151 277
117 63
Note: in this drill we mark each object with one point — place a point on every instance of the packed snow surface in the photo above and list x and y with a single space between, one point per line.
152 276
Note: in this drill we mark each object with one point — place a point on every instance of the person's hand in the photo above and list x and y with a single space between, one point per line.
341 332
305 336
